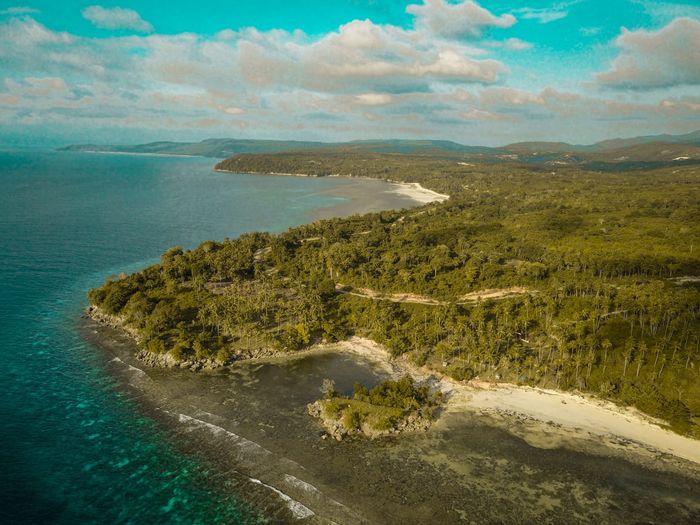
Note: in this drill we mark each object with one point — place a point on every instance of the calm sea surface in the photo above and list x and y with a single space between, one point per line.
73 447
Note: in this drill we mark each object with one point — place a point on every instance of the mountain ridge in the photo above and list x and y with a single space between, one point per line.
615 152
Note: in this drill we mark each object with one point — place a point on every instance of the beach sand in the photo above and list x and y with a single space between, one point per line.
418 193
471 465
545 418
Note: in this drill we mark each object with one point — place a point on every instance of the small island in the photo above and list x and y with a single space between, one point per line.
391 407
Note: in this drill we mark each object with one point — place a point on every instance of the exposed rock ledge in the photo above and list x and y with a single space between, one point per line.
164 360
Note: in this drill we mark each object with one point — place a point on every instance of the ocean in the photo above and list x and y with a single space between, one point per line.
75 448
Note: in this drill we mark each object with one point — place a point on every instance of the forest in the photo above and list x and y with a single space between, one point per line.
555 277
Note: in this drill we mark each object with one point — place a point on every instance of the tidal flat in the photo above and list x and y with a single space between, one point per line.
250 422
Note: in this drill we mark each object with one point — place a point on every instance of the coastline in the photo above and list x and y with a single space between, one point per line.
543 418
412 190
137 153
251 419
520 411
418 193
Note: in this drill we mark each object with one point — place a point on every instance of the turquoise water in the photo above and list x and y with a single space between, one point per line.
74 449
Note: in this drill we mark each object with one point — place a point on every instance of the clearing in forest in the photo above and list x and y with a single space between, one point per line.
403 297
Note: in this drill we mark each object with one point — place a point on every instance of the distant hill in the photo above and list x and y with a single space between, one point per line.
544 147
217 148
223 148
608 154
689 138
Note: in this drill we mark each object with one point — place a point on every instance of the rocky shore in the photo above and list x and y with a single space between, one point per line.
336 428
164 360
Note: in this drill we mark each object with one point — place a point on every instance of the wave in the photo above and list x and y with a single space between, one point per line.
217 430
137 371
298 510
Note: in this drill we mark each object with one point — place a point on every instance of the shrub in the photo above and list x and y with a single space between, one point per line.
352 420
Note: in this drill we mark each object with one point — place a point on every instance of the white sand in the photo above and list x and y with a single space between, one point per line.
585 414
418 193
556 417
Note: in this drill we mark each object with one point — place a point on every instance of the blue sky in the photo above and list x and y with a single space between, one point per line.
489 72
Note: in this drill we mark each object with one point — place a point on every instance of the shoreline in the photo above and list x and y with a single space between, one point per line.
137 153
216 414
543 418
419 193
412 190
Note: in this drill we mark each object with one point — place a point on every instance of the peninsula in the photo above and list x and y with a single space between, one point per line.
564 279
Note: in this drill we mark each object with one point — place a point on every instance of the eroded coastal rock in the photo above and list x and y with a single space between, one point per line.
155 360
391 407
336 428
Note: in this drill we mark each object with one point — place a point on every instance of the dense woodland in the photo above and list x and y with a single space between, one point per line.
605 265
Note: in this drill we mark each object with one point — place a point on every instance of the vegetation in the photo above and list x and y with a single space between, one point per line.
389 406
600 259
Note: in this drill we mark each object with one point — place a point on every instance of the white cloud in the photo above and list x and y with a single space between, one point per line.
656 59
116 18
19 10
361 56
374 99
682 105
547 14
481 114
512 44
663 12
273 77
466 19
589 31
361 80
234 111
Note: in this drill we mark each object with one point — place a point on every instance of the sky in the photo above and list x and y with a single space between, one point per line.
481 73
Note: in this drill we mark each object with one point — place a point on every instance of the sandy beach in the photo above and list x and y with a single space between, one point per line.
411 190
418 193
546 418
251 420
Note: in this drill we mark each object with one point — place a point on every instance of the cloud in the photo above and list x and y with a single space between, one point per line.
682 105
362 79
589 31
656 59
116 18
511 44
480 114
547 14
233 110
374 99
464 20
19 10
663 12
360 57
273 77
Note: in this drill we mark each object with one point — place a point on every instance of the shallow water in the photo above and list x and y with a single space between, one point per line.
253 420
76 448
